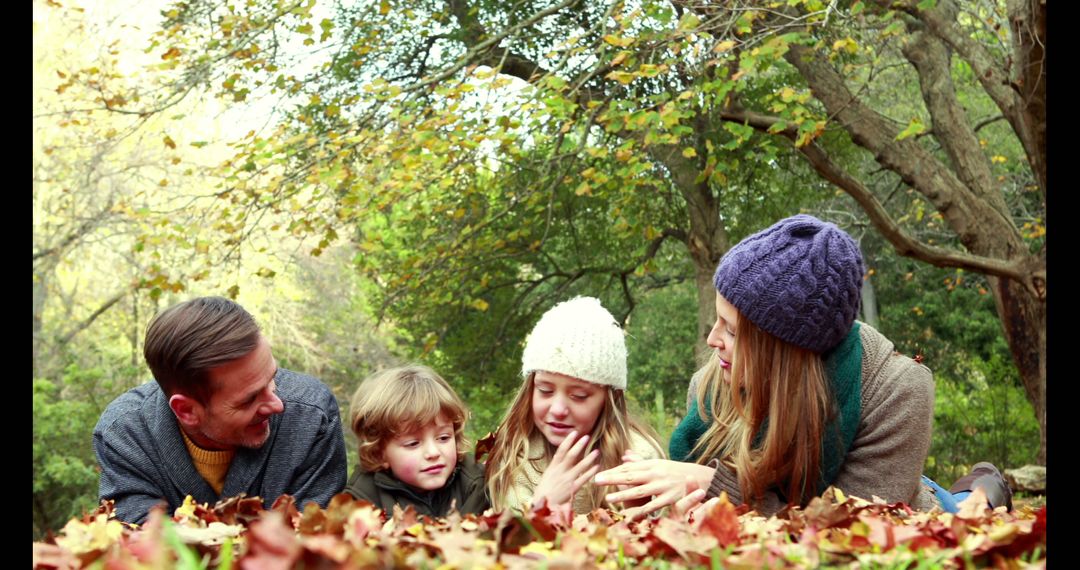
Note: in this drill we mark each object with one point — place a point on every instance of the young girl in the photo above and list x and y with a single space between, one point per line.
569 418
411 429
798 395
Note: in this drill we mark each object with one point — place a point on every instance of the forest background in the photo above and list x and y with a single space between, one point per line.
382 182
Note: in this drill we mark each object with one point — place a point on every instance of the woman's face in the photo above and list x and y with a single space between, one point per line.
722 335
561 404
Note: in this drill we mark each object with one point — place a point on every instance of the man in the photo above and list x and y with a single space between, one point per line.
222 419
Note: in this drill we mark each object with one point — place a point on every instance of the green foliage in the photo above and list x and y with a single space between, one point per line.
660 347
945 315
948 317
981 416
65 471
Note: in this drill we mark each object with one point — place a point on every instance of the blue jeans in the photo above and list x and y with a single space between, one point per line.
944 498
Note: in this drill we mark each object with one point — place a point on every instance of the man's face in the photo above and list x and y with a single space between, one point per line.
242 400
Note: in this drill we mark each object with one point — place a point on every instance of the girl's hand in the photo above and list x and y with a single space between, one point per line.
666 482
566 473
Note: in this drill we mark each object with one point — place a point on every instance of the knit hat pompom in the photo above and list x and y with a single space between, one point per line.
578 338
799 280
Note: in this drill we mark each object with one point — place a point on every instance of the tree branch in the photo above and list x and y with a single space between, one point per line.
979 225
1021 270
81 326
995 80
950 123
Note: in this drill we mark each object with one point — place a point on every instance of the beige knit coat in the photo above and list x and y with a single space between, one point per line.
893 438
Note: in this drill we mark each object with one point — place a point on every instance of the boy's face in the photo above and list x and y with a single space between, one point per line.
425 457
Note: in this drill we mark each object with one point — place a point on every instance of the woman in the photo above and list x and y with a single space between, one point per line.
798 395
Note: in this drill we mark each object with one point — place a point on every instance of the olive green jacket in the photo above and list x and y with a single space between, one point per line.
465 489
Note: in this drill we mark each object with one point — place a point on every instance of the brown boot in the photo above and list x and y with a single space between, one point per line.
987 477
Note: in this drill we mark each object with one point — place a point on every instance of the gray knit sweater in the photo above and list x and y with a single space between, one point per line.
893 438
144 460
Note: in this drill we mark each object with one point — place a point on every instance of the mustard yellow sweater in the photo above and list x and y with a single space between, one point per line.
212 465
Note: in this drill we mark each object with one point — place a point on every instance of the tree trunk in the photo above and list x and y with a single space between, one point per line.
706 297
1023 318
39 306
707 239
869 304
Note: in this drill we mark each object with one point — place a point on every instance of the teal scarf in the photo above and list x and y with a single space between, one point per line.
843 367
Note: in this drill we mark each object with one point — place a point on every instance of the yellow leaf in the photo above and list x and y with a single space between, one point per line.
384 7
846 44
187 509
80 538
723 46
169 142
538 547
480 305
618 41
689 152
621 76
214 533
621 57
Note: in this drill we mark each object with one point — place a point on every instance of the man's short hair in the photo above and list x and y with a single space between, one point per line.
186 340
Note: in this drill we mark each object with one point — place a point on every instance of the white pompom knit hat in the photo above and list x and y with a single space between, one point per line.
578 338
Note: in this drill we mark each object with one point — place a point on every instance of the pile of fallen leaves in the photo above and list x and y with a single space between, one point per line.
833 530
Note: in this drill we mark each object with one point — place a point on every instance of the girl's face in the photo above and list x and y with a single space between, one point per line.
722 335
561 404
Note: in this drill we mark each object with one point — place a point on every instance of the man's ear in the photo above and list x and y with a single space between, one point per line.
188 410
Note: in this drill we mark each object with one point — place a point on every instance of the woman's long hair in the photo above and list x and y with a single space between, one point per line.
611 434
778 385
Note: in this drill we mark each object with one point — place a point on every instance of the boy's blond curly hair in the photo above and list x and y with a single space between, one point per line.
399 400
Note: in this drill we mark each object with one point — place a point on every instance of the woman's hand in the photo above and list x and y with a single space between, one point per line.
691 508
566 473
630 457
666 482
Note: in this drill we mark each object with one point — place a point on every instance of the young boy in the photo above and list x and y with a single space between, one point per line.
411 429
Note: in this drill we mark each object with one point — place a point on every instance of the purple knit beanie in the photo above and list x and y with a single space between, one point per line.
799 280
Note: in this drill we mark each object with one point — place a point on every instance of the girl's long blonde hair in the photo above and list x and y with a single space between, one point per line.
778 385
611 434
